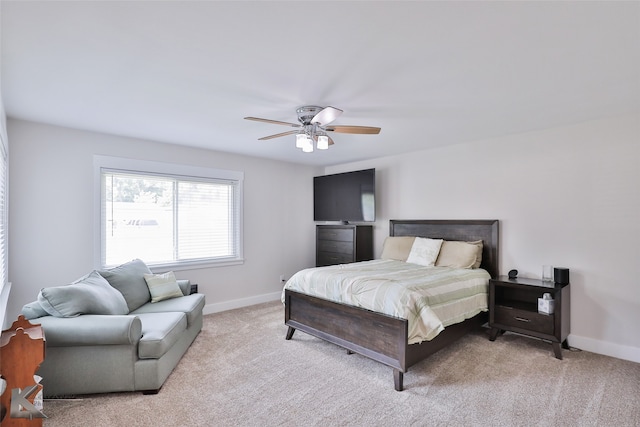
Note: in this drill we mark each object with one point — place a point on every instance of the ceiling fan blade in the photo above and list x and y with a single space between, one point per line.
354 129
277 135
277 122
326 116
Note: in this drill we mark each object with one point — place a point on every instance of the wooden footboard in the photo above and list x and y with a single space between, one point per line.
374 335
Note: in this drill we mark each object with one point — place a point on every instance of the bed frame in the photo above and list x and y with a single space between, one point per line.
379 336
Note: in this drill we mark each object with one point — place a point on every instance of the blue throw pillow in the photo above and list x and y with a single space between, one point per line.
33 310
128 278
91 294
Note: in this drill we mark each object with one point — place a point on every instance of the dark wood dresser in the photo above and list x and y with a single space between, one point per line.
342 244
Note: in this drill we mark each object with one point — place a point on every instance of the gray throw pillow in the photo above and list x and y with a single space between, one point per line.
128 278
91 294
33 310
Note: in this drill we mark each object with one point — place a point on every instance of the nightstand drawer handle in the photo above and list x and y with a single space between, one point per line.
522 319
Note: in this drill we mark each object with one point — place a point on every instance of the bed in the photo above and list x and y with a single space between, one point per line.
379 336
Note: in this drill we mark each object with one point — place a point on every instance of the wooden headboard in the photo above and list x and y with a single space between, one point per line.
455 229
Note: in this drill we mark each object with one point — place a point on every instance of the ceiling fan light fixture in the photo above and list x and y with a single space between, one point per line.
301 140
323 142
308 146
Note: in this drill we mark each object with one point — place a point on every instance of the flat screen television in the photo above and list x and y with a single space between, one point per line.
345 197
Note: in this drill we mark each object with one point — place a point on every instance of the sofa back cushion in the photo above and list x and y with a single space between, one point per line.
128 278
91 294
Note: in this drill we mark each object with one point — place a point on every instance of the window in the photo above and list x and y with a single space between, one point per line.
168 215
3 215
5 286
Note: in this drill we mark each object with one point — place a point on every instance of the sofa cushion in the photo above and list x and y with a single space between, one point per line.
185 286
162 286
91 294
191 305
128 278
91 330
160 331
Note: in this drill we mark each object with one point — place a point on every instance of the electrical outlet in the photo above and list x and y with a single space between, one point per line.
282 279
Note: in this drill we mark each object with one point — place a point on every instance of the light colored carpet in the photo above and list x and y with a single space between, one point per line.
241 371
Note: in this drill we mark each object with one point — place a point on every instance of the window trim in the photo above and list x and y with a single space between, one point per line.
170 170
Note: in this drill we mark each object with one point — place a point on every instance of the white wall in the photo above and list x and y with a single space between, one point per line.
566 196
51 214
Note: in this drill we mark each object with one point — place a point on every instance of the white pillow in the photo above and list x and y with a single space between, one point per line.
424 251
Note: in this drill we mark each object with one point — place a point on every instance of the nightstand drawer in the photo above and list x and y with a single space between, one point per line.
329 233
523 319
335 246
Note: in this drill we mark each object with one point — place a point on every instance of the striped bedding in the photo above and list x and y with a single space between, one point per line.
430 298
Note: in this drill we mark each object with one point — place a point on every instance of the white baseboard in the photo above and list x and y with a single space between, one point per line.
239 303
618 351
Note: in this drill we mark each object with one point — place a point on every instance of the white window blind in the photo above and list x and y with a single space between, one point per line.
3 217
169 220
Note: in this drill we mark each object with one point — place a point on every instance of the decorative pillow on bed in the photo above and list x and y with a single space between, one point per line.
162 286
424 251
91 294
457 255
397 247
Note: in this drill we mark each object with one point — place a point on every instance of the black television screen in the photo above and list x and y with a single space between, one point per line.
348 196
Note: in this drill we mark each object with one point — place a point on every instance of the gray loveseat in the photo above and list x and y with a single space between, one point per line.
99 341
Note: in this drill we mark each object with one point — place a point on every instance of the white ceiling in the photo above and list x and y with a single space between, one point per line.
428 73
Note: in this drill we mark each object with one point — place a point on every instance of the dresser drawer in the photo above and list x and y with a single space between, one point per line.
529 320
332 258
335 246
341 234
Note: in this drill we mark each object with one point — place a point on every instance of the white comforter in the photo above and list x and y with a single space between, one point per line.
430 298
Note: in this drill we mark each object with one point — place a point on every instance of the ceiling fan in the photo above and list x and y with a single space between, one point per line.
313 127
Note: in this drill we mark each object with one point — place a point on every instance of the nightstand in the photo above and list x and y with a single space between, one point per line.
513 306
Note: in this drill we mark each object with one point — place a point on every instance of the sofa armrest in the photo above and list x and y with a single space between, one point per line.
185 286
90 329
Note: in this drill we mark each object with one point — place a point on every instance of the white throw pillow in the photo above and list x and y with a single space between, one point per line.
162 286
424 251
